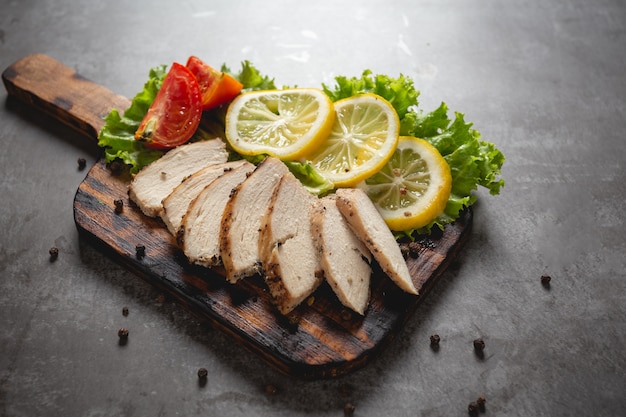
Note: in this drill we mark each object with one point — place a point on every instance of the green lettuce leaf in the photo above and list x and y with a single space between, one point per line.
312 180
250 77
117 136
400 92
473 162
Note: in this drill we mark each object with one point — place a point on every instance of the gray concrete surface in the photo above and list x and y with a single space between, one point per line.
545 81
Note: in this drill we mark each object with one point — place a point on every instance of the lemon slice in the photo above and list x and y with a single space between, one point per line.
283 123
362 140
413 187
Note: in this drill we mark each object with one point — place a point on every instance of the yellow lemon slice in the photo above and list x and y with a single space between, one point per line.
413 187
283 123
362 140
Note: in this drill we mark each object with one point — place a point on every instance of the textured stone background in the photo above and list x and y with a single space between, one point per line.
544 81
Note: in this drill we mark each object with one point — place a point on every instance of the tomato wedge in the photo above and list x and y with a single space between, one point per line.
217 87
175 114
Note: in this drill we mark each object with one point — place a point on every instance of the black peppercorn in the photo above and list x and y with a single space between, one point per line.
414 249
119 205
348 409
140 251
203 373
54 253
545 280
125 311
116 167
82 163
404 249
479 345
434 340
481 403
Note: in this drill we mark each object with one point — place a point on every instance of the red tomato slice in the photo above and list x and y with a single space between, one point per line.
217 87
175 114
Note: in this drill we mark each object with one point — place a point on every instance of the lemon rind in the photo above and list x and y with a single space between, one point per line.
317 132
433 202
367 169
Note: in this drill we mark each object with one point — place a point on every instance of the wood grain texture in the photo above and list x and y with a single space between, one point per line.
58 90
320 339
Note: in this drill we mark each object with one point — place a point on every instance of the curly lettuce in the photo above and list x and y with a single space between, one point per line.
117 136
473 162
400 92
250 77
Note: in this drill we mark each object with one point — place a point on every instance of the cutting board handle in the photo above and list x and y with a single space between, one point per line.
61 92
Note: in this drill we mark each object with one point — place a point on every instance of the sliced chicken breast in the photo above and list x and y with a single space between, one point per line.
177 203
368 225
243 214
345 259
157 180
199 233
290 261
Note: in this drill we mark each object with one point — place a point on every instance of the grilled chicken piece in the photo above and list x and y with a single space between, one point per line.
371 229
241 223
157 180
345 259
177 203
199 233
289 258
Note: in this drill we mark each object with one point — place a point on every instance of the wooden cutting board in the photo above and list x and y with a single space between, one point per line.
320 339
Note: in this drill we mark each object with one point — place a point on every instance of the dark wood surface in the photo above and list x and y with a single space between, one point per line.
319 339
58 90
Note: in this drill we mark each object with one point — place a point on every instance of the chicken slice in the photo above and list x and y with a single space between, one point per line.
241 223
371 229
177 203
345 259
289 258
157 180
199 233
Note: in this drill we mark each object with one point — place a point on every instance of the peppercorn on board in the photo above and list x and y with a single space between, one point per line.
320 339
